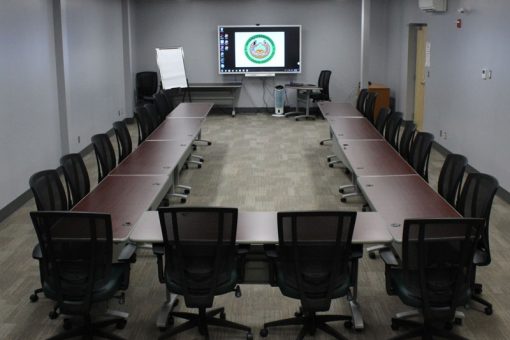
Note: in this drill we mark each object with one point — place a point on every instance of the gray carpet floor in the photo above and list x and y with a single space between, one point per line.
256 163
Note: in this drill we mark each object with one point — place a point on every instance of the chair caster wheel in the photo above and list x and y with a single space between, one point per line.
34 298
331 165
186 191
348 324
343 200
223 316
372 255
321 143
347 171
448 326
121 324
478 290
298 314
395 327
249 336
53 315
68 324
488 310
264 332
458 321
209 143
199 166
341 191
183 200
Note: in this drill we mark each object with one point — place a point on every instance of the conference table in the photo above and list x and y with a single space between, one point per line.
332 109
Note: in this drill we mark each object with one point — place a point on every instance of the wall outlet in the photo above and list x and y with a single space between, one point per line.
440 133
445 136
119 113
79 139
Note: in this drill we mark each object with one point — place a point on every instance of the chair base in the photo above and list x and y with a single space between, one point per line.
424 330
311 322
478 290
92 329
202 320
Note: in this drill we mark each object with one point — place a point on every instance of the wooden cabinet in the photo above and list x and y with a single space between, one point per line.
383 97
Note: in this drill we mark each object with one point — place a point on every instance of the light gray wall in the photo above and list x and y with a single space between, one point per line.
63 67
330 38
29 132
473 112
94 67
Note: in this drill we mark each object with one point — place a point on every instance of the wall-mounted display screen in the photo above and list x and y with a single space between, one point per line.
259 49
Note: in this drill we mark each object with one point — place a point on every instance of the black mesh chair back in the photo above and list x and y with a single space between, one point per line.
392 128
407 139
143 123
380 123
314 250
49 193
451 176
146 85
437 257
76 176
370 106
124 144
200 252
360 103
77 252
476 201
170 95
420 153
161 104
154 115
323 83
105 156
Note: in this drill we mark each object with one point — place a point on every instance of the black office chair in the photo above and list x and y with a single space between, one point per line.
312 263
49 194
162 104
370 106
154 115
406 140
200 262
451 176
323 83
170 95
105 156
476 201
76 259
146 86
143 123
433 274
382 117
76 177
392 128
420 153
124 144
48 191
360 102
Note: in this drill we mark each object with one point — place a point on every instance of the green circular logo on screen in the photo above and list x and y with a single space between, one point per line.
259 49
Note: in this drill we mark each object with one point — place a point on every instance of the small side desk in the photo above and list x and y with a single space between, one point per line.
307 89
217 91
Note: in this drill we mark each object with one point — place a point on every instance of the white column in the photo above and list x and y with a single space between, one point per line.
365 40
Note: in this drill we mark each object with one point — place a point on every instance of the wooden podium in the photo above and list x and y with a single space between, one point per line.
383 97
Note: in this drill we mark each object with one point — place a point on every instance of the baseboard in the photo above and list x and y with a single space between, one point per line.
502 192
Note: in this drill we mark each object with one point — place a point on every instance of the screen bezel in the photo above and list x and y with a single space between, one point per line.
259 72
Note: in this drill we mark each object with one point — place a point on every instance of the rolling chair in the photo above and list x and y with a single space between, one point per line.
451 176
200 262
105 156
323 83
154 115
370 106
162 105
49 194
76 259
476 201
382 117
420 153
144 123
433 274
146 86
406 140
312 264
360 102
392 128
76 178
124 144
170 94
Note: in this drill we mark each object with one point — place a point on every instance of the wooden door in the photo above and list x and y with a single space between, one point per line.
419 86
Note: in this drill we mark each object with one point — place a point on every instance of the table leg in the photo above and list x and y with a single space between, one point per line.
307 108
357 317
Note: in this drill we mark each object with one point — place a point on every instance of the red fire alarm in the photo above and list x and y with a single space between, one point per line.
459 23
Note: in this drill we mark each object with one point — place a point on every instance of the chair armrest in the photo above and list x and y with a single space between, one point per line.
37 253
128 253
243 249
388 257
158 249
